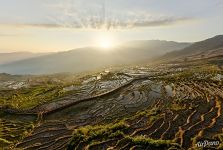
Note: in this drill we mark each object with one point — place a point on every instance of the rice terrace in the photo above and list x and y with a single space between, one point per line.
160 107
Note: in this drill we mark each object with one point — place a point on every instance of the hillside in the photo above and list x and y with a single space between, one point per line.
156 47
88 59
16 56
207 48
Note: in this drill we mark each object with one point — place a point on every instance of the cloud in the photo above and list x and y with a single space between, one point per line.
22 25
43 25
116 23
79 14
8 35
97 15
145 23
96 23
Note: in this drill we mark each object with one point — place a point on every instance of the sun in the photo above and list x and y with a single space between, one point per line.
105 41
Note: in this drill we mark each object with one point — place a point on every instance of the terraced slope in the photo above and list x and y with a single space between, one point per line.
193 113
145 109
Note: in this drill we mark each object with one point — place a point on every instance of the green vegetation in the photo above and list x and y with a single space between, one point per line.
147 142
199 73
89 134
36 91
30 97
98 134
4 143
95 135
12 132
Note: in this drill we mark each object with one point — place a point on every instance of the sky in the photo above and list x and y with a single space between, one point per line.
59 25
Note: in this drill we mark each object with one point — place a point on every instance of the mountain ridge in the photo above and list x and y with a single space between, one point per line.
90 58
198 48
17 56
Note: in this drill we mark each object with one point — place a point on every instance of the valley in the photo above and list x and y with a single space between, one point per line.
163 106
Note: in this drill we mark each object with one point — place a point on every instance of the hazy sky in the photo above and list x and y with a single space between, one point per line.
58 25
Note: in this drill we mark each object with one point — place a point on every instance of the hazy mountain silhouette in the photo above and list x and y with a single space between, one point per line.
90 58
203 48
16 56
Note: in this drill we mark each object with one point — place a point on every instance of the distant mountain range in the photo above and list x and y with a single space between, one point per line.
91 58
16 56
208 48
